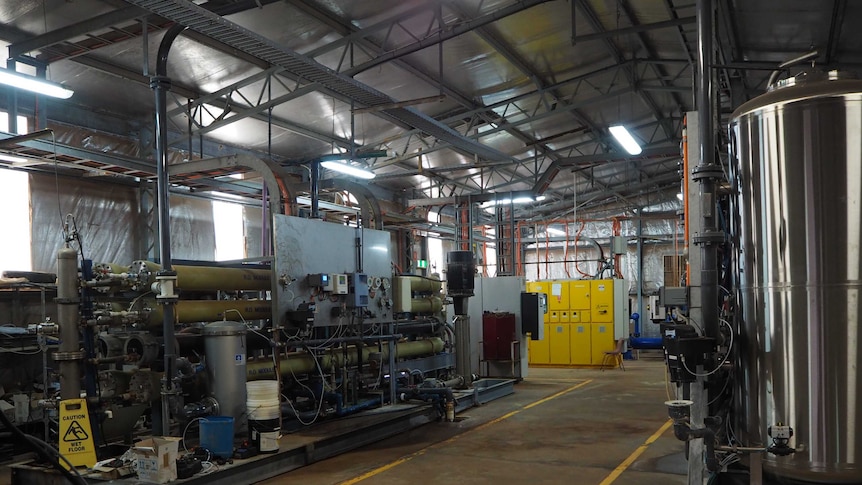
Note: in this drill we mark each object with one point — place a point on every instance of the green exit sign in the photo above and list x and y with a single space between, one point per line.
422 264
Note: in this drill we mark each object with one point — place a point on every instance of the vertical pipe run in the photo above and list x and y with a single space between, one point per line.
640 274
68 355
315 189
463 366
708 247
12 99
160 83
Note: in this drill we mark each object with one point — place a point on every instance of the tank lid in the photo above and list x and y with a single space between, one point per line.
806 85
226 327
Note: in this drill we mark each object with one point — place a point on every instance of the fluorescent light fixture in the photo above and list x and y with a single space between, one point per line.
13 159
679 196
348 169
625 139
34 84
516 200
554 231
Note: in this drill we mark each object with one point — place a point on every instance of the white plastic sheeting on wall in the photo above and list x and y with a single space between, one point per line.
106 215
192 229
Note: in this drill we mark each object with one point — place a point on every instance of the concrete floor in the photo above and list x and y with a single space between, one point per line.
561 426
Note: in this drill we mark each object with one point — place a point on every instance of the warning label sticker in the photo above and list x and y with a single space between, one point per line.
75 432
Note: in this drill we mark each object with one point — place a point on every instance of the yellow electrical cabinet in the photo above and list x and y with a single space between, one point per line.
580 349
558 338
579 294
584 319
558 295
602 301
602 340
539 350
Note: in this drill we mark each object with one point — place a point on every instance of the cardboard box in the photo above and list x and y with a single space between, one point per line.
156 459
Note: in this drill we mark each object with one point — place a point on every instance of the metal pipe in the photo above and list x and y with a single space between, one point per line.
297 363
160 83
422 283
315 189
707 172
69 353
204 278
463 365
193 311
340 340
640 277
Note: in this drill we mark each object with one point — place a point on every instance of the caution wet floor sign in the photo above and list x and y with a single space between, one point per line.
76 435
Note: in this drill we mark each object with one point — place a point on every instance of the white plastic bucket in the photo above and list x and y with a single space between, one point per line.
262 390
271 410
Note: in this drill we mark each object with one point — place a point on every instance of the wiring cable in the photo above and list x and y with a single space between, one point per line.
45 451
726 355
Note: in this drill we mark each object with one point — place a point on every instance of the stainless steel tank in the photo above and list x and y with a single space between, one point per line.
799 174
225 347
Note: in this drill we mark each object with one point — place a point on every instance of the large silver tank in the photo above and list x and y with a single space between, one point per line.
799 170
225 347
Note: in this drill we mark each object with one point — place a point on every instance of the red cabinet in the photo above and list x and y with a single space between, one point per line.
498 333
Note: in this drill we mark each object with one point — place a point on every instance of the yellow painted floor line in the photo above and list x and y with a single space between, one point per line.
635 454
504 417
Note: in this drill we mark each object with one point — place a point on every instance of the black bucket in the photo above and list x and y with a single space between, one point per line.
264 434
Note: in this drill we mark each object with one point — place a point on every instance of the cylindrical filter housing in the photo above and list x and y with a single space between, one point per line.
226 368
799 229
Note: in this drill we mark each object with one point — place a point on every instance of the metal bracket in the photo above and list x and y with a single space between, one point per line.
67 301
165 286
703 172
67 356
711 237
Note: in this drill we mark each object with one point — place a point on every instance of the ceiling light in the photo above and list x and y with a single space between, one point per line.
555 232
625 139
34 84
516 200
679 196
348 169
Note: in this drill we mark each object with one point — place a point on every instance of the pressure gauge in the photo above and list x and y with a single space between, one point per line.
386 283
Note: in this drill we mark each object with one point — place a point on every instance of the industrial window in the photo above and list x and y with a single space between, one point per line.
15 199
22 123
229 232
436 258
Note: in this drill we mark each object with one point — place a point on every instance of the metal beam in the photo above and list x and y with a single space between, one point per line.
591 160
55 36
443 35
459 199
636 29
213 25
594 21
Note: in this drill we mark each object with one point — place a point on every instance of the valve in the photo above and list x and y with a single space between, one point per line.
780 434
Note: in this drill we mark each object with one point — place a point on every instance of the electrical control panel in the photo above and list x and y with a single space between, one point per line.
357 297
339 284
320 280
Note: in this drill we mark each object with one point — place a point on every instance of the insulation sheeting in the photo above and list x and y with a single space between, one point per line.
106 215
192 228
